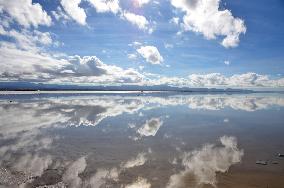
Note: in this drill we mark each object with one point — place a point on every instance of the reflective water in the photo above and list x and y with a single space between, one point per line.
141 140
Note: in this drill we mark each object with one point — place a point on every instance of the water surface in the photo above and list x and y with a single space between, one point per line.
166 140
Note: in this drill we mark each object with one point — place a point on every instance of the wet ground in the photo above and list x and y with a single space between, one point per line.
167 140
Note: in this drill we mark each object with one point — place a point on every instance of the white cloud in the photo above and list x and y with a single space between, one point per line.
103 6
243 80
27 64
28 40
25 13
74 11
106 6
207 79
131 76
174 20
167 45
151 54
132 56
59 14
227 62
205 16
28 61
33 65
204 164
92 70
141 3
138 20
86 66
246 80
141 67
135 44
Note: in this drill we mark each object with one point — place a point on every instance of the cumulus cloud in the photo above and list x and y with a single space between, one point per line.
202 166
141 3
27 65
151 127
138 20
151 54
246 80
31 65
238 80
86 66
25 12
106 6
74 11
205 17
29 61
90 69
26 39
174 20
59 14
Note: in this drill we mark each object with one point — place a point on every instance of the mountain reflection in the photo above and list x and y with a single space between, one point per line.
64 141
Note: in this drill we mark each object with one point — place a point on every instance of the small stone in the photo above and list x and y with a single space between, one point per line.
280 155
260 162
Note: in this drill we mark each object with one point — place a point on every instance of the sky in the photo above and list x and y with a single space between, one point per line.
183 43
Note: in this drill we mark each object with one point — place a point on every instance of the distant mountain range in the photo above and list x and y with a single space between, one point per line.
28 86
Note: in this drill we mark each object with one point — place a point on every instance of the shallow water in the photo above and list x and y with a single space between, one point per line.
141 140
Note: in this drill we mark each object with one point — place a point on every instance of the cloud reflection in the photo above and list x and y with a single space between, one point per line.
33 164
201 166
139 183
23 124
137 161
151 127
70 177
90 111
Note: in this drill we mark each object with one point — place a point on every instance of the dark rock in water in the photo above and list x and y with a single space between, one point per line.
261 162
275 162
280 155
49 177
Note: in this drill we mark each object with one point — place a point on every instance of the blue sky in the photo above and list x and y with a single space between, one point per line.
106 42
